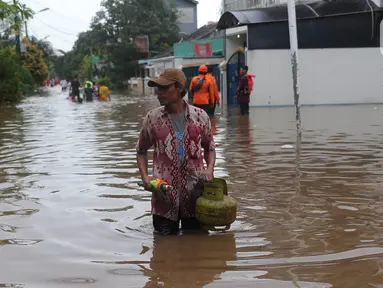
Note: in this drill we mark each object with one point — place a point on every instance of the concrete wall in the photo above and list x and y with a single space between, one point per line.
327 76
188 25
159 65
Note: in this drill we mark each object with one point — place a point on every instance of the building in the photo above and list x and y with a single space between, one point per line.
237 5
204 46
339 53
187 15
184 52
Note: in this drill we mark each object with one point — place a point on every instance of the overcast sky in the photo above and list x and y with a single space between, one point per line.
63 22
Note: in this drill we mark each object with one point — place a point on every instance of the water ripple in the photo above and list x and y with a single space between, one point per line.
310 209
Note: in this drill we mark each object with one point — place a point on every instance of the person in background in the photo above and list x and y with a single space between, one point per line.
87 84
217 98
68 85
178 132
202 90
243 95
88 91
104 93
75 84
63 85
95 90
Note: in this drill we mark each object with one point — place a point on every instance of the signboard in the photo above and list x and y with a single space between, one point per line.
203 50
142 44
23 47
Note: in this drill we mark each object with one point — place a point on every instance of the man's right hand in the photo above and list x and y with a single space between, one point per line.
146 181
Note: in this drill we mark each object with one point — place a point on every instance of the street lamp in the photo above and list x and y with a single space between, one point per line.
26 22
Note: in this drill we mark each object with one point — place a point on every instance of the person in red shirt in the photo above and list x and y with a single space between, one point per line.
243 94
178 132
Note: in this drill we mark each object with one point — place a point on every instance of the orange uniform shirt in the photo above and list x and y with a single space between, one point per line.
205 95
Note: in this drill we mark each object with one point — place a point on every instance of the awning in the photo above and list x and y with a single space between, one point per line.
314 9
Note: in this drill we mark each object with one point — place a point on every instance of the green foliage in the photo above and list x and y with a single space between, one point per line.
27 83
20 75
9 75
112 37
34 61
85 68
8 9
105 81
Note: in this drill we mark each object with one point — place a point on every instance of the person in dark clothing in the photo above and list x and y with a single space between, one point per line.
75 84
243 94
88 92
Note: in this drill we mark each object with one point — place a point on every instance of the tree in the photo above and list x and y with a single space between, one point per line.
34 61
113 32
85 67
9 75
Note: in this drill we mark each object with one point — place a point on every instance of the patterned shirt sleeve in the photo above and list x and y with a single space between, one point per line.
207 141
145 140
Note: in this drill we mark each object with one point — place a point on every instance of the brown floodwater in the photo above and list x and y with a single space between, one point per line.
71 214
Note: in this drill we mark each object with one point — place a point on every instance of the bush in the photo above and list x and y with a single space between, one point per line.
10 76
27 83
105 81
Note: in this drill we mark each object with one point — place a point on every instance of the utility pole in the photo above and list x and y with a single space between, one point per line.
17 30
91 64
25 22
18 50
294 59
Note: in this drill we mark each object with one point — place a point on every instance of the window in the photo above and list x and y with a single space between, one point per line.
186 15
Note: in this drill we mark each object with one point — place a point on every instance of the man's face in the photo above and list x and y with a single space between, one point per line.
243 71
167 95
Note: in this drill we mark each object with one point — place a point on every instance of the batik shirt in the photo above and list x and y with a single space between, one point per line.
157 132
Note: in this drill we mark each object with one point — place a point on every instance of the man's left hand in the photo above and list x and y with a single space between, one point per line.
208 174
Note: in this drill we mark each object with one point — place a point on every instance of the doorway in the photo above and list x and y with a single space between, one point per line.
236 61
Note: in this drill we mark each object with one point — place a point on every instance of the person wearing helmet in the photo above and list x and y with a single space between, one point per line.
217 98
202 89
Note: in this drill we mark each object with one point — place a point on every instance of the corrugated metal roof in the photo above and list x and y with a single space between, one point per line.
314 9
205 31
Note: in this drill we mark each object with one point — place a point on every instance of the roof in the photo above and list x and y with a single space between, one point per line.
192 1
203 32
166 53
306 10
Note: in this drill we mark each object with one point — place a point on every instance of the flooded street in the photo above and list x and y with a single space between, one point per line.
72 215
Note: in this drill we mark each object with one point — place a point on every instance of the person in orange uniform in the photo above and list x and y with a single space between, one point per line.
217 98
104 93
202 89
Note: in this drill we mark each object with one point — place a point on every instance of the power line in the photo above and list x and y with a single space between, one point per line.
59 13
54 28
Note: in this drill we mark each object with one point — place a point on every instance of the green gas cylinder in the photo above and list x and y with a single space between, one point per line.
215 208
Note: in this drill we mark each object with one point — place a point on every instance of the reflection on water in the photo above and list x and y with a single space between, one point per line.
71 213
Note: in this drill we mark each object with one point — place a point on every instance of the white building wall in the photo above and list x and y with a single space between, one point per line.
159 65
327 76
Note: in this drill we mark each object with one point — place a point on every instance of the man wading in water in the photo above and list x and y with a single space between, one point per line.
178 132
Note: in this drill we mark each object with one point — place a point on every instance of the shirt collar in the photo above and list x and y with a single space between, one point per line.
187 110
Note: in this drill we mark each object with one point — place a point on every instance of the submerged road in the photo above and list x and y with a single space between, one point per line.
71 214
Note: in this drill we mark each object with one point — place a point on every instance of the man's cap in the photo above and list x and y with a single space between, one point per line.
168 77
